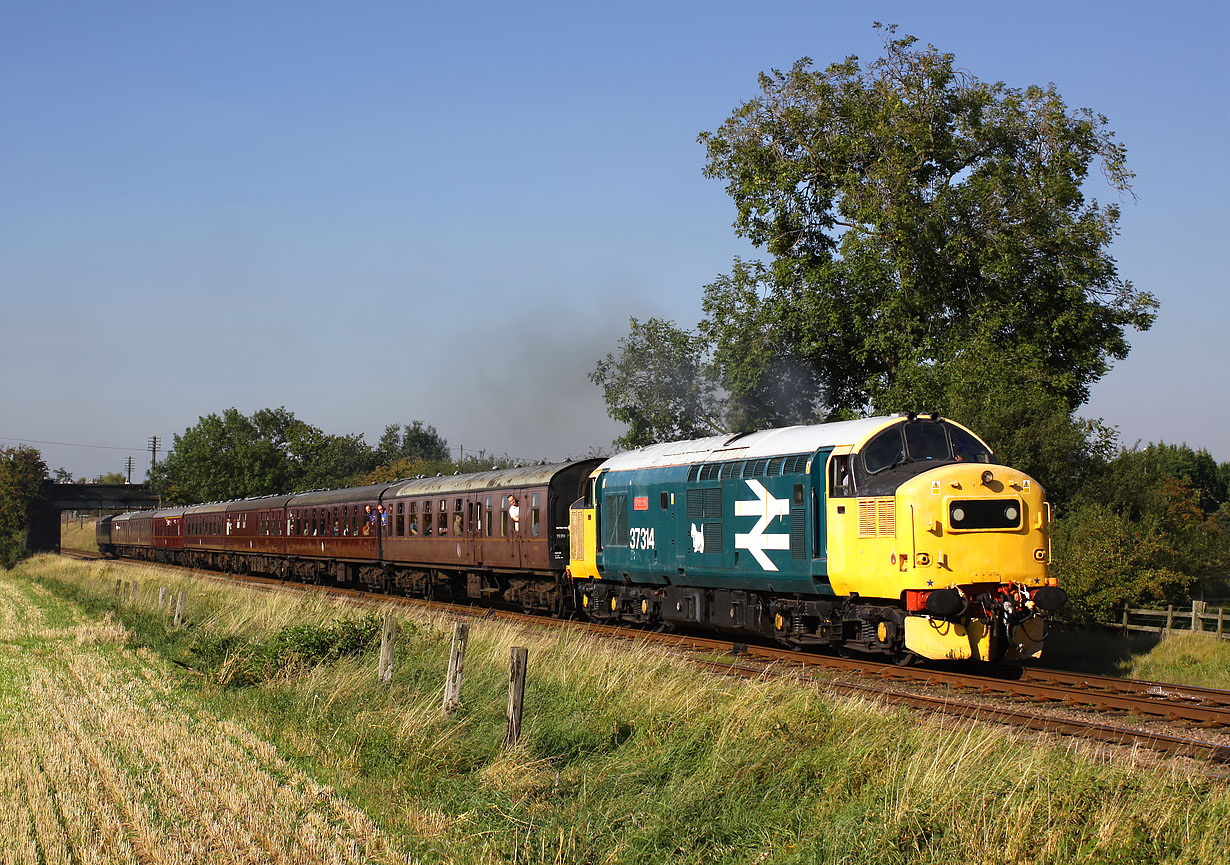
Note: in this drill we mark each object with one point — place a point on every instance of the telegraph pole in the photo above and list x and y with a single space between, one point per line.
129 461
153 449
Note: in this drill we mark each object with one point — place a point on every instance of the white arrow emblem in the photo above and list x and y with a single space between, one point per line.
767 508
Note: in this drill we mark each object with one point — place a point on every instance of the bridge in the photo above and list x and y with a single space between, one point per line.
45 531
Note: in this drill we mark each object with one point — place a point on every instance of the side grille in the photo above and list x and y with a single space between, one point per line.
576 534
877 518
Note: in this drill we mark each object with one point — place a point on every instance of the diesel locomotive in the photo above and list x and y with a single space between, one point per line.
899 536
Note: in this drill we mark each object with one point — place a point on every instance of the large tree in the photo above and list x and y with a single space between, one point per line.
919 223
414 441
232 456
22 472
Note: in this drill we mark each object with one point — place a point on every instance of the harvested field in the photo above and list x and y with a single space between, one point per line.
101 763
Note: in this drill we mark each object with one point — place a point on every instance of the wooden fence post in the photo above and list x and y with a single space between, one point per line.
1221 617
132 592
1125 618
1169 617
385 670
118 584
1196 626
179 610
456 666
517 664
162 597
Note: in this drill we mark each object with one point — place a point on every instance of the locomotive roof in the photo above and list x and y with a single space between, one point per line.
525 476
765 443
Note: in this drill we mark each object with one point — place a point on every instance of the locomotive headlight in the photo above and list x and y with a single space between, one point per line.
1011 513
958 514
987 477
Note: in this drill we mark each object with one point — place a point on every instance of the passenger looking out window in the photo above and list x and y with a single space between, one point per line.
514 513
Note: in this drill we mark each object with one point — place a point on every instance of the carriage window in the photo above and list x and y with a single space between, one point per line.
488 526
503 516
413 528
535 525
427 520
399 525
442 518
457 517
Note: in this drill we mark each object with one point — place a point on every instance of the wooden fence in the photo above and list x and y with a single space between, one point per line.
1198 618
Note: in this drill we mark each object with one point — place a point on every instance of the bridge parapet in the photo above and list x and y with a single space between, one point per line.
45 532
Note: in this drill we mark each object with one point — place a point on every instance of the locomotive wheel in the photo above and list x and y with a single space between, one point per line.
904 658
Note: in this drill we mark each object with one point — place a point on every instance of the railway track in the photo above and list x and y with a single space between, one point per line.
1053 701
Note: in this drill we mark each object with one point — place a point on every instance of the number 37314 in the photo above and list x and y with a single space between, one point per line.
641 539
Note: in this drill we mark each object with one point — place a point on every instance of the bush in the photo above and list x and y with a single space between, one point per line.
240 662
1105 559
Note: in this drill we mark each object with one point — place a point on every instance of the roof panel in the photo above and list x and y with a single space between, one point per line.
765 443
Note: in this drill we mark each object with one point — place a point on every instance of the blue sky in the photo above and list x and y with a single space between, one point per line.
377 212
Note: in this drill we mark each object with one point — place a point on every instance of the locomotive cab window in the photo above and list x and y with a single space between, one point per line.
926 440
966 448
841 476
884 451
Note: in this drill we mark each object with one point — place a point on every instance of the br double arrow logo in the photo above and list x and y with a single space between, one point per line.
767 508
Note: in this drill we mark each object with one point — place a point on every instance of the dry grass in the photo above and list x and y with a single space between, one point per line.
78 534
100 763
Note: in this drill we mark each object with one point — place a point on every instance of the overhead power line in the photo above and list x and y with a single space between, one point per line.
71 444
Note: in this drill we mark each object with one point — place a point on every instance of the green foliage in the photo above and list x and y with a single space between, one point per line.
232 456
415 441
1148 526
910 207
919 223
1105 559
295 647
660 385
22 472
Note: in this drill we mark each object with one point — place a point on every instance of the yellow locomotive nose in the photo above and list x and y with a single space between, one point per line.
974 571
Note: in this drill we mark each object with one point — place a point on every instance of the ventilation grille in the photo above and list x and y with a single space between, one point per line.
797 537
576 534
877 518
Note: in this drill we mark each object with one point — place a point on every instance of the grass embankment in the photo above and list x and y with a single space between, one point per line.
625 757
78 534
1181 658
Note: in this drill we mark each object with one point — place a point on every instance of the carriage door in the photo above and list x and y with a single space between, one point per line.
474 528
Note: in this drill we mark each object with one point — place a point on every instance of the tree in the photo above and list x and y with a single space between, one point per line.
22 472
661 385
231 456
918 221
415 441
